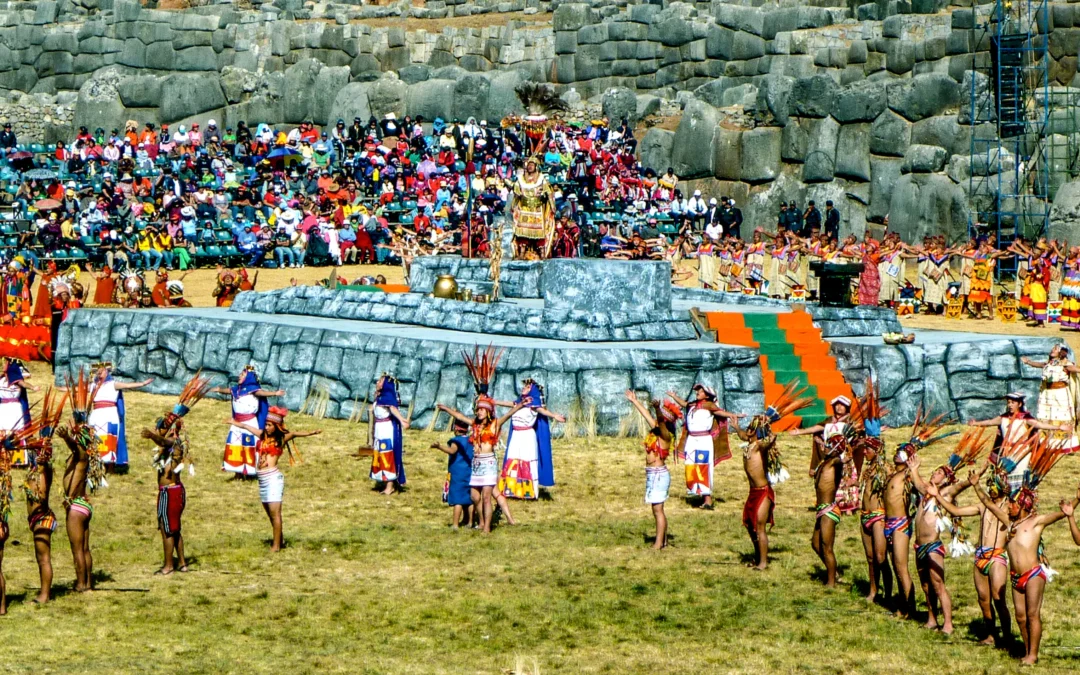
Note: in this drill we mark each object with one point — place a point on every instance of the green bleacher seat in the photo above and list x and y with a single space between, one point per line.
12 241
223 236
76 254
89 242
60 254
7 228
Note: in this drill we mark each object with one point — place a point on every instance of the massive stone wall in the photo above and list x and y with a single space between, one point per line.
965 379
301 353
868 107
552 323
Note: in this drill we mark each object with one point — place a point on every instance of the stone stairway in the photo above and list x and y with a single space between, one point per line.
792 350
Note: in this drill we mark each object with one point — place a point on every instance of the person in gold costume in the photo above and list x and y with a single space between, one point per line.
533 211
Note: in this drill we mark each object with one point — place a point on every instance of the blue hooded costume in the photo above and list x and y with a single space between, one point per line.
459 468
388 396
121 432
249 384
14 373
545 468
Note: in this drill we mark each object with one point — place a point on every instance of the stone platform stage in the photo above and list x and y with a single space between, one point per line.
581 338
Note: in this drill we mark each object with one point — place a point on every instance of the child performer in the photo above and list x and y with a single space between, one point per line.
170 456
386 427
763 468
459 451
38 486
1030 571
658 446
930 523
84 472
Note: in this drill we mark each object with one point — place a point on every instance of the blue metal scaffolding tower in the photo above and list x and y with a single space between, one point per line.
1016 168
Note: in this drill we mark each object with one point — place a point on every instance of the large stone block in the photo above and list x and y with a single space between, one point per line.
884 173
471 96
890 135
923 95
727 153
820 164
924 159
853 152
924 204
606 286
774 96
760 155
184 96
814 96
859 102
692 155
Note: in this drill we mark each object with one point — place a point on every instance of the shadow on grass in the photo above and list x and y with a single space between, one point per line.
650 539
820 574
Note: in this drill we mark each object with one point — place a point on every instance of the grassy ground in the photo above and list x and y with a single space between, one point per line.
373 584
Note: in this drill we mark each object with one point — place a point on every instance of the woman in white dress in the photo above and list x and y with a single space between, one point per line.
249 409
14 406
387 423
108 415
1057 396
527 465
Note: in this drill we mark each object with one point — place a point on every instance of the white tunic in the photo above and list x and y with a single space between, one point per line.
11 411
100 418
384 427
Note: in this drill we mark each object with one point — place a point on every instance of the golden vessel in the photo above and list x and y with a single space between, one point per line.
445 287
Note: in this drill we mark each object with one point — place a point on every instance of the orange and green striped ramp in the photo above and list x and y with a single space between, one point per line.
792 350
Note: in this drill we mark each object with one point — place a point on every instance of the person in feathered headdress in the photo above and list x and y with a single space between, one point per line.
991 560
249 409
763 468
38 486
108 416
930 522
485 432
387 424
1029 569
899 504
527 465
63 299
658 445
83 474
171 455
14 404
704 442
866 416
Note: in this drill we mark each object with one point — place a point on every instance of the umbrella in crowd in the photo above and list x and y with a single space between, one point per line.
39 174
21 161
46 204
284 155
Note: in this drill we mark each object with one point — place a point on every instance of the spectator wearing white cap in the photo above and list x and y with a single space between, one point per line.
696 210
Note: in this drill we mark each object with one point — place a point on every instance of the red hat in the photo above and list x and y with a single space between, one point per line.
276 414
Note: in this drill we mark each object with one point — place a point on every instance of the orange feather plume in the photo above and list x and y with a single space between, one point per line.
482 366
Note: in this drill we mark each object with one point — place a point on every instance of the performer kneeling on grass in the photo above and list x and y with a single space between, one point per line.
704 443
485 469
763 468
1030 571
658 445
456 492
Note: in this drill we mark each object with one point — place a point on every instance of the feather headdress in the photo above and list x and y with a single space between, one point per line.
82 433
791 400
1043 458
482 367
971 446
1009 456
48 418
924 433
194 391
539 98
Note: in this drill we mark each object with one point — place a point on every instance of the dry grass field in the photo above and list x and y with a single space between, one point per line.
371 584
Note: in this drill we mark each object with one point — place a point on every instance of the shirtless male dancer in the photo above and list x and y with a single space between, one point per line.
79 509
